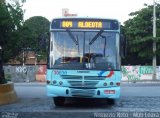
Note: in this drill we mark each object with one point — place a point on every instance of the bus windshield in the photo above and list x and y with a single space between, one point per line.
76 50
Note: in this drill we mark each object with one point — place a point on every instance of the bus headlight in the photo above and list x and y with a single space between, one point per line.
118 83
48 82
105 84
60 83
111 83
54 82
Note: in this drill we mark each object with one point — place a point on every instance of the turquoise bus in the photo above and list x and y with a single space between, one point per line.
84 59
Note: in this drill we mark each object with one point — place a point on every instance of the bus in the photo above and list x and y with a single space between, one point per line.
84 59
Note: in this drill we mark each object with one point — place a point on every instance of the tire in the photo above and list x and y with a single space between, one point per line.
59 101
110 101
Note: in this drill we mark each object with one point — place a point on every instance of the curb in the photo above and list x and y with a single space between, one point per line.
142 81
30 84
7 93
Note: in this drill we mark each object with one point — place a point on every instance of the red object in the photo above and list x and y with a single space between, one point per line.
109 91
110 74
42 70
118 83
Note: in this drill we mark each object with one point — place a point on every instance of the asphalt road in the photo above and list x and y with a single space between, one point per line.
38 90
33 102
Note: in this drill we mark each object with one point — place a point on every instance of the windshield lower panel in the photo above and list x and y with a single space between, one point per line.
97 50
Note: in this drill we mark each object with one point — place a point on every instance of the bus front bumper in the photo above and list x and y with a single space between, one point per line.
59 91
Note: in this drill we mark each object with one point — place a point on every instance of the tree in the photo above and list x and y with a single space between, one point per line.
11 19
15 34
34 36
138 31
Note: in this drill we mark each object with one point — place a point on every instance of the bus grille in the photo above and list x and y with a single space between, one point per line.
82 92
83 84
80 81
94 78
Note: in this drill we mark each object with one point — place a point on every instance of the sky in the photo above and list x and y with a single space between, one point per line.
116 9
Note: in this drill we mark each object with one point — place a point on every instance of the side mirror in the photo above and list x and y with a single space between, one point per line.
123 46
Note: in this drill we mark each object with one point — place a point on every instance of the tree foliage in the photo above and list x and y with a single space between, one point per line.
139 32
16 35
11 19
34 35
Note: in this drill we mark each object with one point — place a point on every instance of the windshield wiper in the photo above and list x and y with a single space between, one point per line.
105 41
95 37
72 37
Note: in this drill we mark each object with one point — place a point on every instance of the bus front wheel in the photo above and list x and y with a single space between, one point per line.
59 101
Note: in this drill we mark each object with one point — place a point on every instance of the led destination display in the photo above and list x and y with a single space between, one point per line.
85 24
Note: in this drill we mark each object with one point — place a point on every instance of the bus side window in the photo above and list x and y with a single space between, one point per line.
123 46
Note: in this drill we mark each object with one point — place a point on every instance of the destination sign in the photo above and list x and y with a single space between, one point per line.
85 24
82 24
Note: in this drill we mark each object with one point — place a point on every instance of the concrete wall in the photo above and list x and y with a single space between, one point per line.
138 73
38 73
24 73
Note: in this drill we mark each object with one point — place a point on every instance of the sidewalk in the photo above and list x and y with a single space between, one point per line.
142 81
36 83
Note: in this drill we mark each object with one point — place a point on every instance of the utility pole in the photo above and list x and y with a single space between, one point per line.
154 41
